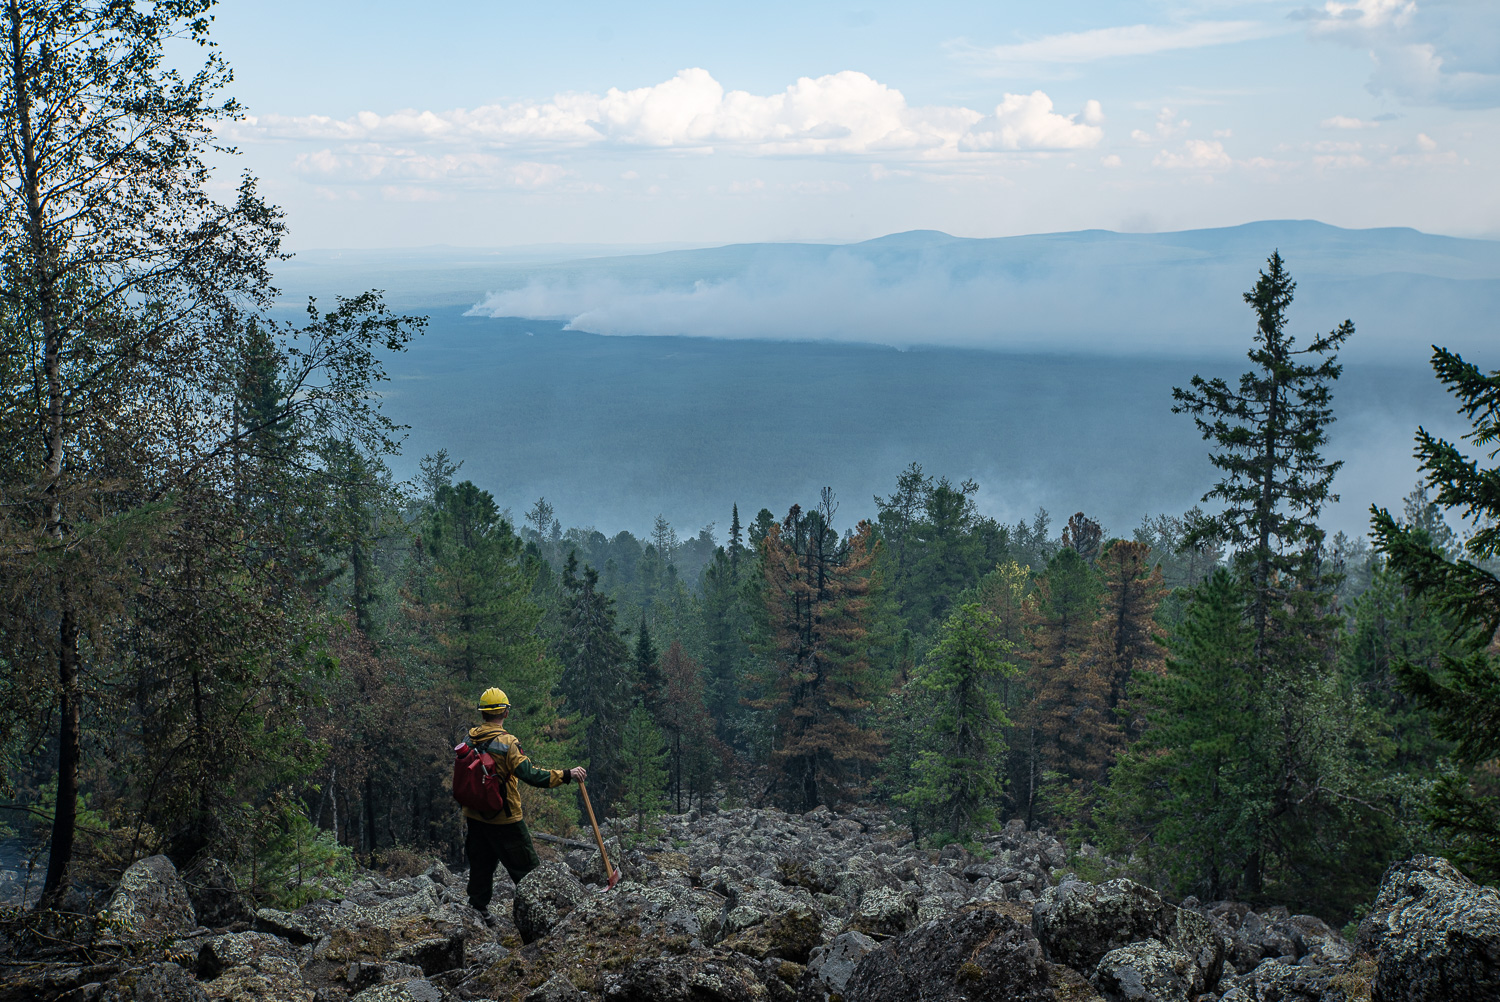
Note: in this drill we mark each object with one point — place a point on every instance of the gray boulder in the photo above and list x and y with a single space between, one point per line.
1150 971
240 949
1078 923
979 954
543 897
157 983
1435 935
293 926
152 901
361 975
885 912
555 989
830 966
413 990
695 977
1278 981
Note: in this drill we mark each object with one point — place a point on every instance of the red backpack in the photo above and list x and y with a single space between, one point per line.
477 783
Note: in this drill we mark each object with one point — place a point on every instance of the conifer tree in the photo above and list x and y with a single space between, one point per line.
642 776
598 679
960 722
650 685
817 683
1191 789
1268 436
685 722
1464 693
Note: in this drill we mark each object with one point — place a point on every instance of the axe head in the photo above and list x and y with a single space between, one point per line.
614 878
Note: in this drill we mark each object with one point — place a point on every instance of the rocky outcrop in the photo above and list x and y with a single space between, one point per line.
830 966
758 904
543 897
981 953
1079 923
152 901
715 977
1150 971
1435 935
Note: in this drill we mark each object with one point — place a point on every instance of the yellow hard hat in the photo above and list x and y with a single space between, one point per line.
494 700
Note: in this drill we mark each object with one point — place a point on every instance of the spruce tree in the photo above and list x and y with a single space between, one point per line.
959 723
1190 790
642 773
1268 436
598 678
1463 692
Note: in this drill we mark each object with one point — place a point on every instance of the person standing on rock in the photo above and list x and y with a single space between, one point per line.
503 838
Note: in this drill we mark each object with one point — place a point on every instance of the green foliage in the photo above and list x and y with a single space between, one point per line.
1463 689
958 723
643 773
290 861
1268 435
1191 789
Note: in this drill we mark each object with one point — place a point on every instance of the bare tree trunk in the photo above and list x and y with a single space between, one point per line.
68 745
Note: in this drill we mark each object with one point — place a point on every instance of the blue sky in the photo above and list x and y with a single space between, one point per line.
500 124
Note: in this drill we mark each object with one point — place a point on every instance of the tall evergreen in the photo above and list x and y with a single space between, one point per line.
953 787
1268 436
1463 690
1189 791
642 779
817 684
598 673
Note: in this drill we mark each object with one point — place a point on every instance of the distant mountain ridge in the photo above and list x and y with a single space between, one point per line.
1083 291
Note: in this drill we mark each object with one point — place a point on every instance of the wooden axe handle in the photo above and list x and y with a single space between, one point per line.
603 852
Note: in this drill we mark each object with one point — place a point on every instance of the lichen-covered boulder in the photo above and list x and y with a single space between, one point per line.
157 983
1078 923
555 989
412 990
1278 981
1313 937
543 897
695 977
980 953
433 954
293 926
1149 971
361 975
885 912
791 935
1435 935
152 901
830 966
240 949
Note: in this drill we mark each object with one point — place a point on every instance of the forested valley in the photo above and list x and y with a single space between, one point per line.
228 632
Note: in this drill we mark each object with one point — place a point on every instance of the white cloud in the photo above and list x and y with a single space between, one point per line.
841 114
1196 154
1115 43
1027 122
1112 161
1346 122
1439 52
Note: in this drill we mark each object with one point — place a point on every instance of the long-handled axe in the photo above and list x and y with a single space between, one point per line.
614 875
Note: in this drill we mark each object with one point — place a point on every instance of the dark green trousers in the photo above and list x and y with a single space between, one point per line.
490 845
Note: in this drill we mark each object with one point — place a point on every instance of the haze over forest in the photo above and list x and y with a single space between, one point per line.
1040 366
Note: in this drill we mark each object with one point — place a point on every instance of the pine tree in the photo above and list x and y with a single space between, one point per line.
642 773
1268 436
689 731
960 723
1464 692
